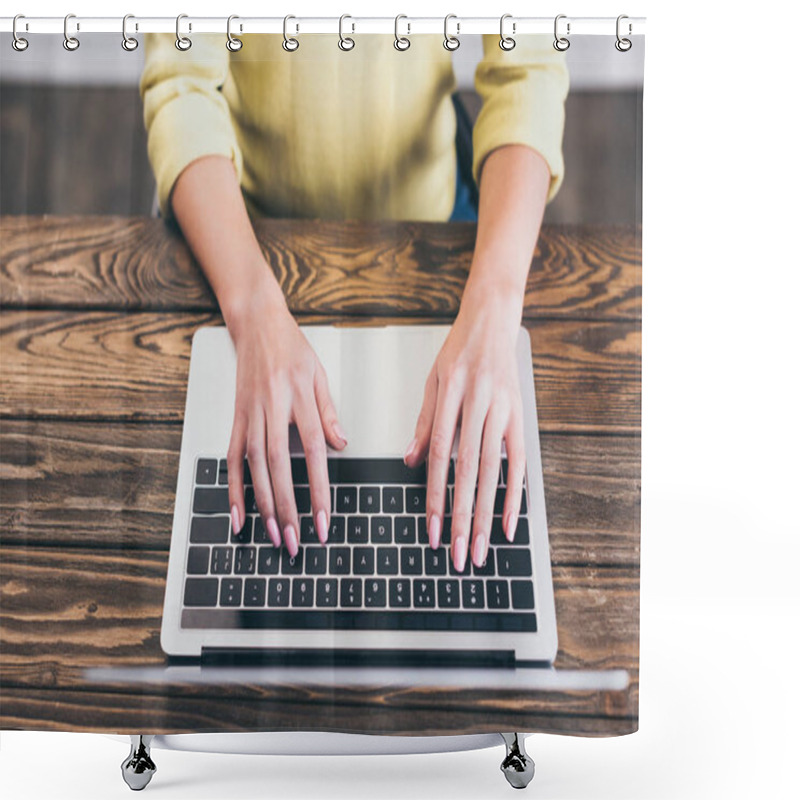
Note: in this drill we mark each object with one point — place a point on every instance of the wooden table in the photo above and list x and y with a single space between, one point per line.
97 319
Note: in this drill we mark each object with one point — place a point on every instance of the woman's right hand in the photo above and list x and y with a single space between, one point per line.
279 381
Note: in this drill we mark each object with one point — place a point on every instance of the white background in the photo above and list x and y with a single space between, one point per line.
719 691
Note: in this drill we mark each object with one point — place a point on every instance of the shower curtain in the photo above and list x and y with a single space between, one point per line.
265 181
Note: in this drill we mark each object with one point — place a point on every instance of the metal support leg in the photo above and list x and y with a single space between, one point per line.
138 768
517 766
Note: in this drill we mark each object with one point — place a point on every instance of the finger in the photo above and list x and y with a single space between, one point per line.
515 447
448 402
422 434
473 418
236 471
488 473
257 460
327 411
280 472
309 426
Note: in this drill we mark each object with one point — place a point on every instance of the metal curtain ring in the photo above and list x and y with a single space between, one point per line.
451 42
183 43
507 42
233 44
18 43
345 42
129 43
289 44
623 45
70 42
401 42
561 43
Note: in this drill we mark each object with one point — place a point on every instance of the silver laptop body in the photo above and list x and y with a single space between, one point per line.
376 377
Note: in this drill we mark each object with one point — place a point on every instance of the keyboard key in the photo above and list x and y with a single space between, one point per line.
522 594
200 592
230 592
369 500
222 478
316 560
336 530
381 530
488 569
247 478
511 561
206 471
209 530
245 561
424 593
346 497
302 592
197 563
415 499
327 592
448 593
467 564
405 530
210 501
245 534
339 563
299 471
351 592
302 499
400 593
392 500
411 560
435 561
221 560
308 531
472 594
278 594
498 537
255 592
363 561
250 505
260 535
375 593
386 561
497 594
269 559
357 530
292 565
374 471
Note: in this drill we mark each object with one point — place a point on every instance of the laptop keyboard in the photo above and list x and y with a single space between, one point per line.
377 570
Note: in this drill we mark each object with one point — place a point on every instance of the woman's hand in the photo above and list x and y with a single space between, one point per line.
279 380
474 379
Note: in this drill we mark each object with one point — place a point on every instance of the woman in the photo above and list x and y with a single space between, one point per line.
365 134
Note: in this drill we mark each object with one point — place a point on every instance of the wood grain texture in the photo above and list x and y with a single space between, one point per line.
112 485
134 366
63 611
324 267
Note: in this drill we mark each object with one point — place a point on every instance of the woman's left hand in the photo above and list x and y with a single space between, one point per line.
474 380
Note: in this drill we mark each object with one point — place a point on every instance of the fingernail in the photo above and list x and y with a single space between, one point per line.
435 531
411 448
322 526
291 540
236 525
339 432
460 555
479 556
511 529
274 531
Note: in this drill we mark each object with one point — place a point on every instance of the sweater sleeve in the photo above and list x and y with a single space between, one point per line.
523 92
185 113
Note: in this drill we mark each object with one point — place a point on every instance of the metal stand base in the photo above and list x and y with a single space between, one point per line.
138 768
517 766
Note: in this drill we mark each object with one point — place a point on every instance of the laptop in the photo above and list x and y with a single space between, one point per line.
376 593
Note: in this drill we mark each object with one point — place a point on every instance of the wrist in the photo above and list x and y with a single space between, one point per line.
497 298
255 296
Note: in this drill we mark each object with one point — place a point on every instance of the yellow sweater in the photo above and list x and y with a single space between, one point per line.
367 134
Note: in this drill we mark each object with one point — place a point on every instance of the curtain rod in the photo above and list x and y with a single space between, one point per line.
408 26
